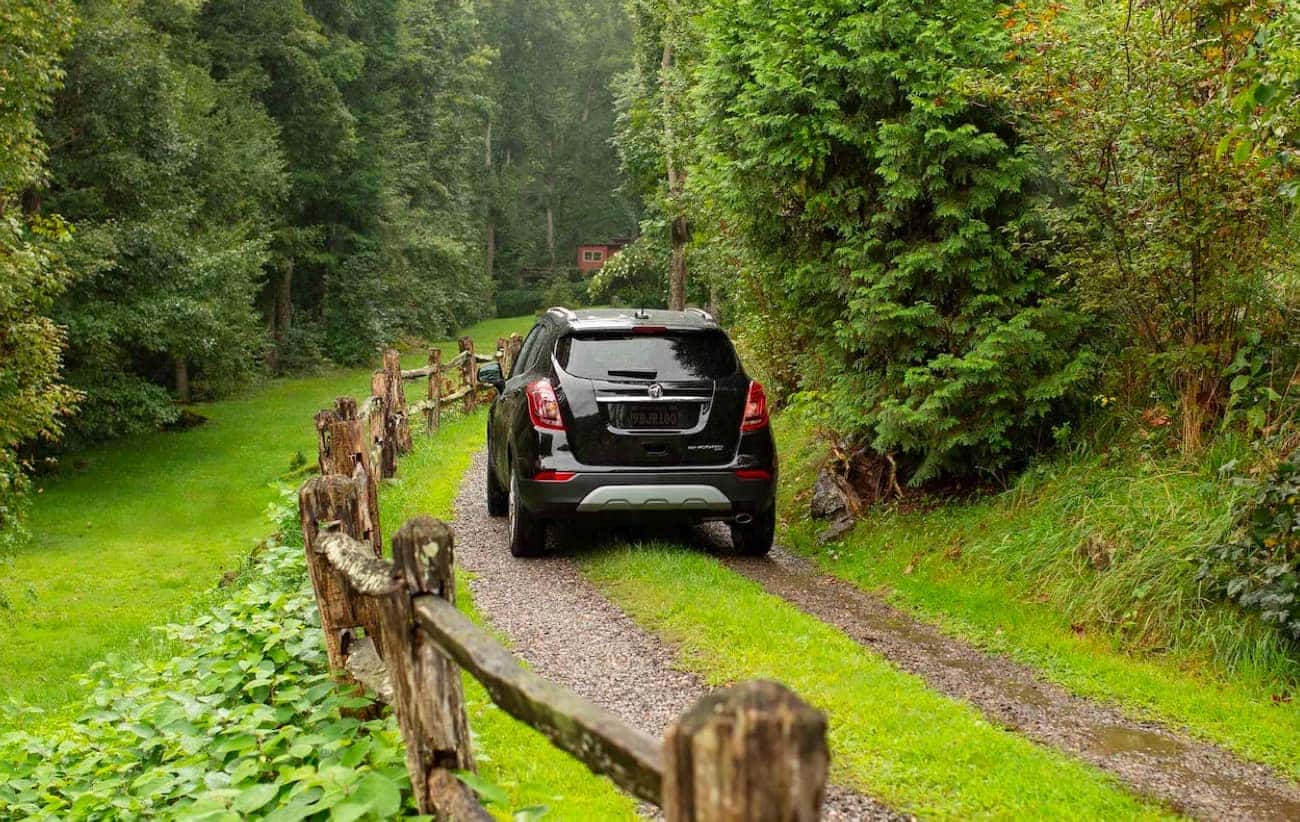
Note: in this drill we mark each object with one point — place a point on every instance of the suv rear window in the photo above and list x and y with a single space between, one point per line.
669 356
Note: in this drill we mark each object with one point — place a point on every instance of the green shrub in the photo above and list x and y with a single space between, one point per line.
1259 567
855 149
559 290
1171 241
637 276
517 302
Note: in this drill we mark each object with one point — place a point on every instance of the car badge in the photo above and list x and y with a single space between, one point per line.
656 391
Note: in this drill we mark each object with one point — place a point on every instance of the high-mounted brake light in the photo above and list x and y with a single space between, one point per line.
649 329
544 407
755 418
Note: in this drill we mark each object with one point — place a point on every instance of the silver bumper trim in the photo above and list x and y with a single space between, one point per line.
655 498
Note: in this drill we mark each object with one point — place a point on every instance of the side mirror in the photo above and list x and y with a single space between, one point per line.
490 374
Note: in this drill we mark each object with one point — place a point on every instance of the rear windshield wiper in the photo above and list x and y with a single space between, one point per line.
645 375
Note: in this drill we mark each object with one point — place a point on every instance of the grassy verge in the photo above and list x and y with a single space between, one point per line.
131 532
1018 574
244 722
891 737
519 760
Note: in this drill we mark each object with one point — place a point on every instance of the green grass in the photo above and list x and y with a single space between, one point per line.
132 531
511 755
1010 573
890 736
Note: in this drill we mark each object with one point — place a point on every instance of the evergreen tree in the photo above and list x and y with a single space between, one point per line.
852 146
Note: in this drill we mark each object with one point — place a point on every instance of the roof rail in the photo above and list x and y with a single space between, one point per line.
700 312
566 313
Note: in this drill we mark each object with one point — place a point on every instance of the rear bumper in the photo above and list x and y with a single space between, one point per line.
693 494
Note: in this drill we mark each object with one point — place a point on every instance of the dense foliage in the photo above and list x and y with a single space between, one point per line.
170 179
245 723
1259 567
965 231
238 189
552 176
302 170
33 400
950 222
894 202
1174 243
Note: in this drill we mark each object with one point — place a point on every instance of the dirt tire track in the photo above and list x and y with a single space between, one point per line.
572 634
1194 777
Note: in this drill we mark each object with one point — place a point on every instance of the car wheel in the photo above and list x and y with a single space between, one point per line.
527 532
755 539
498 498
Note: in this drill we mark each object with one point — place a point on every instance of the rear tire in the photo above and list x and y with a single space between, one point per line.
498 498
527 532
755 539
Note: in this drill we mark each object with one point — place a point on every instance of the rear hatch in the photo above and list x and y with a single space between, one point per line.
652 397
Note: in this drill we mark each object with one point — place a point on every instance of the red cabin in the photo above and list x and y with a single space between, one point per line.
593 256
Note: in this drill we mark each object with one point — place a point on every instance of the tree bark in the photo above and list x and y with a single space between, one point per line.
754 752
490 230
182 379
284 303
678 229
428 695
550 233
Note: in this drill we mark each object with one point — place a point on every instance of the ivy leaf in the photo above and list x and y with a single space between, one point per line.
256 797
378 794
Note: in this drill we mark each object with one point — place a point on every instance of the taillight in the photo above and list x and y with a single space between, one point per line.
753 474
544 407
755 418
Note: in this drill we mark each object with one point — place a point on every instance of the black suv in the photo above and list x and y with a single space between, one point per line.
621 414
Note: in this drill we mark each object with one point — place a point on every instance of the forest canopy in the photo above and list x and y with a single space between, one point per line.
196 195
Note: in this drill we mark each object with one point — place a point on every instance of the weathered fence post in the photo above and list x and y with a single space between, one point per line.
503 354
341 438
751 753
395 395
469 369
433 412
428 696
326 503
516 345
381 425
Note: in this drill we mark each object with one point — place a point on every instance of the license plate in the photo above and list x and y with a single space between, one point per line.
655 417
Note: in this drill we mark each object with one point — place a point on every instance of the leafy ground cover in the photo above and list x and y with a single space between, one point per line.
127 535
1086 570
891 737
244 721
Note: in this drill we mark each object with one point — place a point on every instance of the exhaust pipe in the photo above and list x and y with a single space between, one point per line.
744 519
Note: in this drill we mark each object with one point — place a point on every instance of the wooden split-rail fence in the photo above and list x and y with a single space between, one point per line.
754 751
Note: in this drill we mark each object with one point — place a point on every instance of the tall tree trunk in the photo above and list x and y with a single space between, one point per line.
284 304
550 233
679 231
182 379
490 230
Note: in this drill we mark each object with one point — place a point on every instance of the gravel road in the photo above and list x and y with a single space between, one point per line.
571 634
1196 778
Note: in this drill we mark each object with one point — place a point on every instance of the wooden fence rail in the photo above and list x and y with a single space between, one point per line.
751 752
